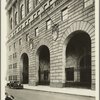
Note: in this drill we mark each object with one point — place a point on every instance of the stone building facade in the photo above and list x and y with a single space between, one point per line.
51 42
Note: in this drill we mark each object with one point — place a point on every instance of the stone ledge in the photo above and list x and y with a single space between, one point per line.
71 91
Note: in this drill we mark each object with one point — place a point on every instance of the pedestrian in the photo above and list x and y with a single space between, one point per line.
8 97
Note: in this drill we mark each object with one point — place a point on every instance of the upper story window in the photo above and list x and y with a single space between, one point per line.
11 23
20 41
88 3
10 66
29 5
27 37
22 11
45 6
48 24
14 45
10 48
15 65
64 14
51 2
14 55
38 12
36 32
16 18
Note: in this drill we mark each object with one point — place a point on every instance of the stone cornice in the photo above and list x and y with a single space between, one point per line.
25 20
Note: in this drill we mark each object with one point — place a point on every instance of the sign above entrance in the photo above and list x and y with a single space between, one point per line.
55 31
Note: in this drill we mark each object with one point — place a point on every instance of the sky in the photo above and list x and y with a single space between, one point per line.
3 47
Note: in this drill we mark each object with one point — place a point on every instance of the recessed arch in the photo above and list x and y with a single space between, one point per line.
24 68
78 26
77 48
43 62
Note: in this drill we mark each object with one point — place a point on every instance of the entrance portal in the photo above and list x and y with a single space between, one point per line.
44 65
78 60
25 68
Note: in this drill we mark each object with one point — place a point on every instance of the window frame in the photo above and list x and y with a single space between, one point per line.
36 31
22 11
63 16
45 6
48 26
11 25
14 45
20 41
29 6
27 37
16 18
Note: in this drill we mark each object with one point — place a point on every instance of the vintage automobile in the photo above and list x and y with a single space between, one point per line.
15 85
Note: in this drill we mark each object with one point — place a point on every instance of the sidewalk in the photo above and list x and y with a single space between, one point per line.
72 91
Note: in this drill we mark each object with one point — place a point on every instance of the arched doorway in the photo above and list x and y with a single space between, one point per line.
78 60
25 68
44 65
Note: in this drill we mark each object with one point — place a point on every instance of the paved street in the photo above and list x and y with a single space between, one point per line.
23 94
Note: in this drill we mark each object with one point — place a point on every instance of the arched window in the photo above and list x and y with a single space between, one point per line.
16 18
29 5
22 11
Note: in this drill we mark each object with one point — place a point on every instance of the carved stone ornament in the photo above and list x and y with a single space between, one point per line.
55 31
31 43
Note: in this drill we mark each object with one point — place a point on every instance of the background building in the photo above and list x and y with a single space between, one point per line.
51 42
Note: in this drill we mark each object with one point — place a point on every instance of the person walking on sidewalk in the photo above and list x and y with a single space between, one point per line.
8 97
